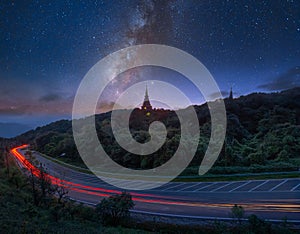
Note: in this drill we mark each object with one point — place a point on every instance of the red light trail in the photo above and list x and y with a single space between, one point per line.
167 200
85 188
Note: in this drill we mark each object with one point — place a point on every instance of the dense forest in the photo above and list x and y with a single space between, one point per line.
263 134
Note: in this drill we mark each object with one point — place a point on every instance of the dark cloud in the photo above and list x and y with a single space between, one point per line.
287 80
47 104
52 102
15 110
225 94
50 97
103 107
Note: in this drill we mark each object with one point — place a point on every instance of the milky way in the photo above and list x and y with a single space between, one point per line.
48 46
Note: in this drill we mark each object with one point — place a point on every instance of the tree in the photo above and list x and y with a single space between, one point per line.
237 212
115 209
43 190
61 190
16 179
34 191
6 153
283 156
258 225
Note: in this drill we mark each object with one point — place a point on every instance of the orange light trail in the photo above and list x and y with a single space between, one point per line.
101 192
79 187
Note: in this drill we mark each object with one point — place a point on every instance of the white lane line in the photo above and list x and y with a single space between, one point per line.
128 183
293 189
121 182
205 217
188 187
184 216
174 186
203 187
242 185
221 187
258 186
275 187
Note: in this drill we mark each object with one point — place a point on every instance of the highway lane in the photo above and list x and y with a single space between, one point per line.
270 199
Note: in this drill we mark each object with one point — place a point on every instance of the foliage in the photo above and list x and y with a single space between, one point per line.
237 212
262 129
19 213
115 209
258 225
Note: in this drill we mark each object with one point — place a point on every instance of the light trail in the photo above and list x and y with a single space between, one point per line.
140 197
82 188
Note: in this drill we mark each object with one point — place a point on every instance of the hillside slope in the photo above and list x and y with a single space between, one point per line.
261 129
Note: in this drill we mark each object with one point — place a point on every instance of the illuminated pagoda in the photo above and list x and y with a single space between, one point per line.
146 104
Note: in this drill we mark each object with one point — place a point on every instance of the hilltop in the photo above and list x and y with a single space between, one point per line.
263 129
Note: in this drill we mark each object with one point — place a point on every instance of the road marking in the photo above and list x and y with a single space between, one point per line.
244 184
121 182
258 186
185 216
188 187
203 187
128 183
293 189
221 187
207 217
275 187
174 186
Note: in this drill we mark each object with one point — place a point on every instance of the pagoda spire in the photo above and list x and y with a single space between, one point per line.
146 94
230 94
146 104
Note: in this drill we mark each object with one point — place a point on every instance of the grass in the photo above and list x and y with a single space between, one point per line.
18 214
209 177
68 165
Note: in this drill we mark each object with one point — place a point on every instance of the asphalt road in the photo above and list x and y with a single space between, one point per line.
269 199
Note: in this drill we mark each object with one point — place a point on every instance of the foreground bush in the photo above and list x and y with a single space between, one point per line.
115 209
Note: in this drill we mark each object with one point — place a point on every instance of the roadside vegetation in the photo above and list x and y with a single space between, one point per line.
34 205
30 204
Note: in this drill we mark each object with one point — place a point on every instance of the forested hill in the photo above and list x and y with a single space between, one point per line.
262 128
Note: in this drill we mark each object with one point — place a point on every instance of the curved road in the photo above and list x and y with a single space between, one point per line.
269 199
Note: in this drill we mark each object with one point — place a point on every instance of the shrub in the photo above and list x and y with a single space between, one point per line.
257 225
237 212
115 209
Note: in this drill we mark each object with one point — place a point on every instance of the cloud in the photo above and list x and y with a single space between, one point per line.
215 95
287 80
103 107
25 98
15 110
50 97
47 104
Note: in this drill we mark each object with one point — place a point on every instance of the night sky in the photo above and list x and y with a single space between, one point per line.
46 47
